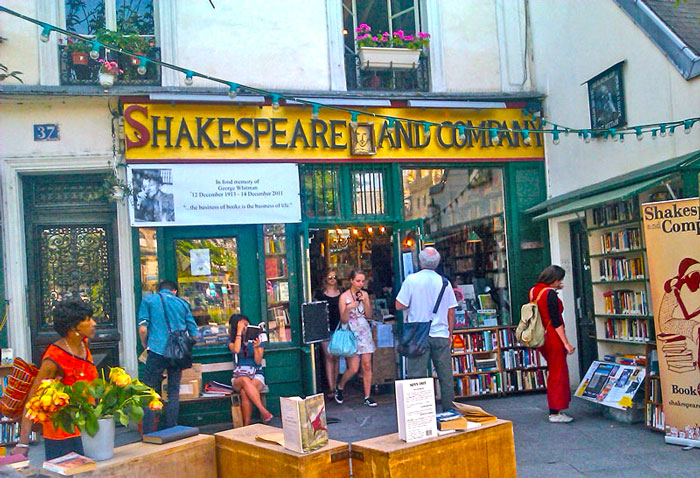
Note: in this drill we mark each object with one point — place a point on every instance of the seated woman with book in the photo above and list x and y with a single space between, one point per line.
68 360
248 376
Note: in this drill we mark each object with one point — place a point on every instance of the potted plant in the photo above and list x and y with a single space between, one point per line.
109 70
135 44
79 51
385 51
93 407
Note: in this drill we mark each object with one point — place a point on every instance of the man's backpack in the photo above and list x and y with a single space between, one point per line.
530 331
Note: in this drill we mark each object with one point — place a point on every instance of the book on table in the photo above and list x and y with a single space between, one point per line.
453 420
70 464
16 461
167 435
304 423
473 413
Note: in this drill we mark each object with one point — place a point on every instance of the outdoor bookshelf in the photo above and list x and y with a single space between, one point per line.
488 361
276 283
9 428
622 309
653 405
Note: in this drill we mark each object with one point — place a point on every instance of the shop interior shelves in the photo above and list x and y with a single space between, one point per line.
653 404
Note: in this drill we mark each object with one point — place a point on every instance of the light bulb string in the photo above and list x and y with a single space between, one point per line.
461 128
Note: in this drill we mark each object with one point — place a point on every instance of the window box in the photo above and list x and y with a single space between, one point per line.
379 58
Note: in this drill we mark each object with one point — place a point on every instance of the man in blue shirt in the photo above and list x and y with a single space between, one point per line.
155 310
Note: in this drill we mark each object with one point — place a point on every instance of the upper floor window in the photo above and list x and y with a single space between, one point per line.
382 16
128 24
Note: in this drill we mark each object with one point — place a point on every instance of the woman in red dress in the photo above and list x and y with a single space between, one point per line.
69 360
556 345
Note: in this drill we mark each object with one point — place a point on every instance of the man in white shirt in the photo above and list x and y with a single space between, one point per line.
418 294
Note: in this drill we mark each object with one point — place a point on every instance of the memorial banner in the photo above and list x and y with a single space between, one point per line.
672 237
213 194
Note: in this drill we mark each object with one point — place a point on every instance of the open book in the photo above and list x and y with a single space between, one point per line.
304 423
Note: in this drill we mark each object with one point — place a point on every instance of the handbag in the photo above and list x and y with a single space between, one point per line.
16 392
414 335
178 348
343 342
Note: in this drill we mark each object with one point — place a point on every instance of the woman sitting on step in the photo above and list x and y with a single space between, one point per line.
248 375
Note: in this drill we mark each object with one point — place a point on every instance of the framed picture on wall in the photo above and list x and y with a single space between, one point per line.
606 99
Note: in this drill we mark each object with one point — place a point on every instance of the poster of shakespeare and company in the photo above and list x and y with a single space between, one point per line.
672 236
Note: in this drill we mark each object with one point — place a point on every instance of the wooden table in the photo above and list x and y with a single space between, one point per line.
192 457
239 455
488 451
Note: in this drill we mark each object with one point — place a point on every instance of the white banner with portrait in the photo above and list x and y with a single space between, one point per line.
213 194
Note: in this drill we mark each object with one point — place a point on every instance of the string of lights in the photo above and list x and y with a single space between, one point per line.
542 125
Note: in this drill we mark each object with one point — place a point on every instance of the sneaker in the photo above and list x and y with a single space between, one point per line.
560 418
338 395
369 402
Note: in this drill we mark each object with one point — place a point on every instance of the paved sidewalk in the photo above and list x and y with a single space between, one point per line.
591 446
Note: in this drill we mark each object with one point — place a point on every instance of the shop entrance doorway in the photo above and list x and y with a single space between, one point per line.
336 252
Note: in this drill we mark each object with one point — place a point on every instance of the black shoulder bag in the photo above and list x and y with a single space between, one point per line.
414 336
178 349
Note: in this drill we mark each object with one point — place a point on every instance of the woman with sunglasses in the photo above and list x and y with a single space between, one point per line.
330 293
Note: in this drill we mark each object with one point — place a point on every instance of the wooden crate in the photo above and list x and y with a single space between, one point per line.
239 455
488 451
192 457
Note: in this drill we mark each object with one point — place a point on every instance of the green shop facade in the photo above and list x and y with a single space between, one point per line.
256 204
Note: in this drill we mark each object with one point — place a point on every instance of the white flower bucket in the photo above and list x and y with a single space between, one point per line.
101 446
380 58
106 79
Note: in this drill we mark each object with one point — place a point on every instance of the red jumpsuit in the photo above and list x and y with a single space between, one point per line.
554 352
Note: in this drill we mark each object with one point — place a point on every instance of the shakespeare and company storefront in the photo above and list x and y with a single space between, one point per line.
247 206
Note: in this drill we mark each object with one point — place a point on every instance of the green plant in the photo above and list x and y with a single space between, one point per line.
82 404
398 39
74 46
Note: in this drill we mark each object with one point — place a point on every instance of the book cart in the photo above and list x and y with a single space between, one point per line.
624 320
9 428
488 361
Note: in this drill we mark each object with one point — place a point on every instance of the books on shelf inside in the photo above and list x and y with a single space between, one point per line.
525 380
632 330
621 268
627 239
626 301
521 358
622 211
482 384
655 416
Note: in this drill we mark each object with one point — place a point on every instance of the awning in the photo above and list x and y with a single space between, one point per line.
602 198
638 175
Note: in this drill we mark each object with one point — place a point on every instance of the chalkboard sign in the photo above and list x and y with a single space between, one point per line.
314 322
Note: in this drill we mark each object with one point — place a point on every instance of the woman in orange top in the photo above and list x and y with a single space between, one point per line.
69 360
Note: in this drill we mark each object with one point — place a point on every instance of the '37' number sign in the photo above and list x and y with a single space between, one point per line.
46 132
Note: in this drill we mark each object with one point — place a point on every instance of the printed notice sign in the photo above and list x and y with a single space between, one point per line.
211 194
200 263
415 409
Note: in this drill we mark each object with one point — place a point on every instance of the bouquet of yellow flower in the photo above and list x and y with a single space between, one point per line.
82 404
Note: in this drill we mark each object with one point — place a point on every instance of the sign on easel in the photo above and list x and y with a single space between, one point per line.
611 384
672 237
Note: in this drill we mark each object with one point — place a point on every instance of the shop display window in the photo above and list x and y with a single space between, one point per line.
208 279
148 252
463 215
277 283
368 193
320 190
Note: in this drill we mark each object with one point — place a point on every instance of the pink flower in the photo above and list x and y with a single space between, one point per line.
374 38
364 28
408 38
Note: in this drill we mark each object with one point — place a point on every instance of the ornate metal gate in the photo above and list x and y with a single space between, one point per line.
71 252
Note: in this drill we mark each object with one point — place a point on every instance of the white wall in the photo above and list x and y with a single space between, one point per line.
575 41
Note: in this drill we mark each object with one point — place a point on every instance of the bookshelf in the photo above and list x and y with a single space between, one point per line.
9 428
488 361
653 405
622 309
474 254
276 283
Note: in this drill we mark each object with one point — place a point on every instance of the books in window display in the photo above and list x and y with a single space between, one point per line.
70 464
171 434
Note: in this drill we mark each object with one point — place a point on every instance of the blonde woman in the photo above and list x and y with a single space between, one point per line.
354 309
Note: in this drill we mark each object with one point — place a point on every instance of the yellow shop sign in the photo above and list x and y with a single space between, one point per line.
166 132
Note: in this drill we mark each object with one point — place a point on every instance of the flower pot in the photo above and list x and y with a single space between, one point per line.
79 58
106 79
136 60
101 446
379 58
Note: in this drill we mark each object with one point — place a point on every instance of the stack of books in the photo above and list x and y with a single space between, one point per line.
452 420
217 389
